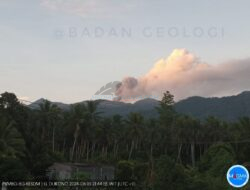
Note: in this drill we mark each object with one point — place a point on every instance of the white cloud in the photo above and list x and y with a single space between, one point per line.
87 8
185 75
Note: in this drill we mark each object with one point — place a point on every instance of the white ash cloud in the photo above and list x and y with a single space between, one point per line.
184 75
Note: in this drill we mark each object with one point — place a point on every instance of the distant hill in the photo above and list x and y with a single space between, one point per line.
35 105
228 108
108 108
146 107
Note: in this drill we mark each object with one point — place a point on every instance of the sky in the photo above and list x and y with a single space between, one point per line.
66 50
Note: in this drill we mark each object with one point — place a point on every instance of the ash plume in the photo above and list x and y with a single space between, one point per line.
184 75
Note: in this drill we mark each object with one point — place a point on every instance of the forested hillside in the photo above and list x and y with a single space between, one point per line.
226 108
173 151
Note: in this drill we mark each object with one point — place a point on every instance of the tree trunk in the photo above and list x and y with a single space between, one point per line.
151 152
76 153
93 149
63 146
102 151
84 148
106 152
193 154
73 149
87 157
117 149
53 140
74 144
200 147
179 153
131 149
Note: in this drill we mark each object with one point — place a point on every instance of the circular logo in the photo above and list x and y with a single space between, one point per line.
237 176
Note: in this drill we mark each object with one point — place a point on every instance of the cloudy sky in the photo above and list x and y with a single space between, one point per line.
65 50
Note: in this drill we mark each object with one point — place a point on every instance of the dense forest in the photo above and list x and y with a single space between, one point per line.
172 152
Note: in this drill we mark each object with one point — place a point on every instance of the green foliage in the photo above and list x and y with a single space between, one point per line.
171 152
214 165
11 142
125 170
169 175
12 169
217 159
166 110
167 99
81 176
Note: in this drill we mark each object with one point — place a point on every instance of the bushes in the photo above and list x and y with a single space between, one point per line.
12 169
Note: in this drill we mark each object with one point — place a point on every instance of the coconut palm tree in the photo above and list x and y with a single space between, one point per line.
11 142
135 122
75 119
50 115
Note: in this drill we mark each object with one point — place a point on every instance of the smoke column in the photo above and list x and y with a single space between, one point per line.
184 75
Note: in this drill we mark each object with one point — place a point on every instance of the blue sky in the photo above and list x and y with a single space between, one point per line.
48 48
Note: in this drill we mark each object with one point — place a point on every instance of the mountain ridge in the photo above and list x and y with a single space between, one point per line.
227 108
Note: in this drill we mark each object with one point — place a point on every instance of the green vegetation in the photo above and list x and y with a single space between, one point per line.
174 151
